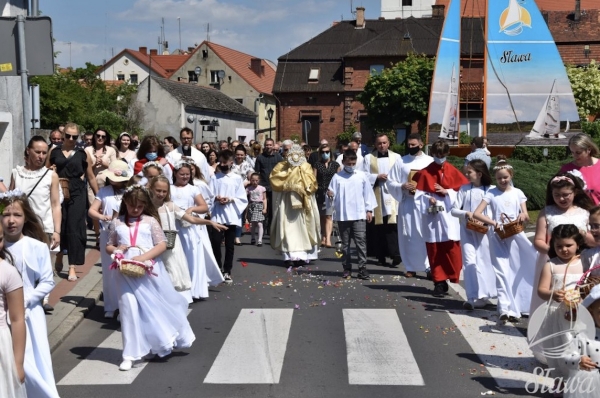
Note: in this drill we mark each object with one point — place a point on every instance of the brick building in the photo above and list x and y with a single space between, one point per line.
316 84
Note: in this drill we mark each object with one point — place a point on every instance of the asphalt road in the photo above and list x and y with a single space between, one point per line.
309 334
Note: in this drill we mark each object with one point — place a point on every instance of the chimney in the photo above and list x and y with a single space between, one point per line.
438 11
256 66
190 49
360 17
153 52
381 18
144 50
577 15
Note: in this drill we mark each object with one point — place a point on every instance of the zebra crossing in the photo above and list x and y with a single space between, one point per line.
378 351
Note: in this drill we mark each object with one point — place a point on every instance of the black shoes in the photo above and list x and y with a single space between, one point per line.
440 289
363 273
48 308
396 261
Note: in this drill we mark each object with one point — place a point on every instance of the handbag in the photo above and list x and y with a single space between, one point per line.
64 186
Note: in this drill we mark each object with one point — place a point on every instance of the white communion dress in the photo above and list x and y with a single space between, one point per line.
153 314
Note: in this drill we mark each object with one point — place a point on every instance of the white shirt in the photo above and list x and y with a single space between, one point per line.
359 160
197 156
230 186
352 196
400 172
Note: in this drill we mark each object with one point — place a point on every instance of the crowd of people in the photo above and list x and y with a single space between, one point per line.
163 210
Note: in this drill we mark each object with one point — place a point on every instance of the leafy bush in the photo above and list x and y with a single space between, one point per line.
535 154
531 178
464 138
398 148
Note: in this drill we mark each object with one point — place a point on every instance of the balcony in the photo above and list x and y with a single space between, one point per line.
471 92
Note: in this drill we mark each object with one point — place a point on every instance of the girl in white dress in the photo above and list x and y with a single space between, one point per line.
566 203
480 279
105 207
513 258
193 239
153 314
559 274
27 243
174 259
12 340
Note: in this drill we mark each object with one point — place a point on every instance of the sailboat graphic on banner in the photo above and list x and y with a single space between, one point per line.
514 18
450 120
547 124
444 110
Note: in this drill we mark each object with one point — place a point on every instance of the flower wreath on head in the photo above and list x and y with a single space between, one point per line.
184 162
577 173
131 188
151 163
7 197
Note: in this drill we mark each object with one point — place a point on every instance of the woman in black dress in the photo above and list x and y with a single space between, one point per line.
71 164
324 170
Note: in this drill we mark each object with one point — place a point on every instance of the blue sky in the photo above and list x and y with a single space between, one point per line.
266 29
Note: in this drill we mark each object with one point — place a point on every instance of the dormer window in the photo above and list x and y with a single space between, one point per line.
313 76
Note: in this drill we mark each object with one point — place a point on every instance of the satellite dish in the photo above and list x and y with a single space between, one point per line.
221 74
198 70
190 118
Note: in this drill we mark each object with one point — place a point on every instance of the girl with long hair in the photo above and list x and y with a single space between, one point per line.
27 243
153 315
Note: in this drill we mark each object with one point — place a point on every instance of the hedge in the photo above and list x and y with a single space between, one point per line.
531 178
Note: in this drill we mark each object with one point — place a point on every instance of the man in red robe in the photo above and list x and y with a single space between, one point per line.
437 188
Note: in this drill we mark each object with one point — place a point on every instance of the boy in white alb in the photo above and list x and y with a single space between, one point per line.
227 208
353 202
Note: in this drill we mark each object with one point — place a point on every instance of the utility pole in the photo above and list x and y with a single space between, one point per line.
179 23
70 65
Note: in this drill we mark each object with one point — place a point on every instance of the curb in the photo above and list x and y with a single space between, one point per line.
75 316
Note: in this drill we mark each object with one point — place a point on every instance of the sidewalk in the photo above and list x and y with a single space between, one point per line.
73 300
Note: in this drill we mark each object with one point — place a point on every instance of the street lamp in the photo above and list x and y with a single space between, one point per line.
270 112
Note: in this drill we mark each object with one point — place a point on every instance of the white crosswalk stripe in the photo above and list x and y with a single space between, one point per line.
259 337
378 350
101 367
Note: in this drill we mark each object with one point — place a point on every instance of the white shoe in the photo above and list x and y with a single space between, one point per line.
109 314
481 303
227 278
126 365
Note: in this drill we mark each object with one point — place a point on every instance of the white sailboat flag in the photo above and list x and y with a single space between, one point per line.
547 124
450 120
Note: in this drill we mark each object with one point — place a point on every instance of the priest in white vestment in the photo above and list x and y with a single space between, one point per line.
410 237
382 234
187 149
296 228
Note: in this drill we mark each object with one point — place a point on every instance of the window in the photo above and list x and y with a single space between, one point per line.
313 76
407 2
240 100
192 76
121 76
376 70
133 78
214 77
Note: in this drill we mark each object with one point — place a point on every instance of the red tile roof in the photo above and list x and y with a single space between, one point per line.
162 65
240 63
476 8
565 30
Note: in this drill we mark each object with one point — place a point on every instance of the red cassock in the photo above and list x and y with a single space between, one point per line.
139 165
445 258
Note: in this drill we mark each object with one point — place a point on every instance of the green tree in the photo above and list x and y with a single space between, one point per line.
80 96
585 82
399 96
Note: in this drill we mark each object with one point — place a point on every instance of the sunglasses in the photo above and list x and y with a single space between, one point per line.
100 136
71 137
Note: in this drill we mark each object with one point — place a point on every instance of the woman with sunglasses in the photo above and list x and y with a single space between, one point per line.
71 164
324 170
102 155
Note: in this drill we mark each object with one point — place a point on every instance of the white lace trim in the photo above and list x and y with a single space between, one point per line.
30 174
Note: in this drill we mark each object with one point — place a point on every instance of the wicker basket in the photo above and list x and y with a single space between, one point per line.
134 269
170 233
171 236
509 227
587 281
477 226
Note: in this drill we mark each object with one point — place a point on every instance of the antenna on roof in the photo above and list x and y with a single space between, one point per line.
208 32
352 10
